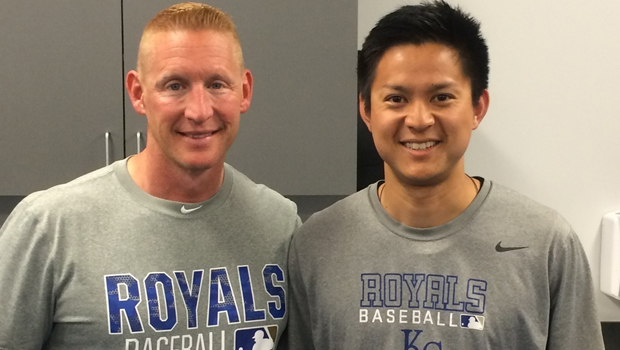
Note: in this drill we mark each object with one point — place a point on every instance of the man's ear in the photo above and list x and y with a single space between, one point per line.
481 108
134 89
248 83
365 116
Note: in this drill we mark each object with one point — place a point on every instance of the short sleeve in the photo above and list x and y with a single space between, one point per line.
574 322
26 281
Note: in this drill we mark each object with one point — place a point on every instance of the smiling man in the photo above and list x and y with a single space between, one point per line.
431 258
171 248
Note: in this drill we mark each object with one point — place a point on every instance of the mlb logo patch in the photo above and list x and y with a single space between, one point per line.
472 321
256 338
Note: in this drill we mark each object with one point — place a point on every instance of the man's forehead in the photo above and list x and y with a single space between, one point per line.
154 42
419 62
414 53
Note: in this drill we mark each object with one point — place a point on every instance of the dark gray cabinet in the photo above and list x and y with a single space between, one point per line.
62 90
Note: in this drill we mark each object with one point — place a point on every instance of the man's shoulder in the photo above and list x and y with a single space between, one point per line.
334 227
79 190
77 199
247 193
505 198
519 209
340 215
343 208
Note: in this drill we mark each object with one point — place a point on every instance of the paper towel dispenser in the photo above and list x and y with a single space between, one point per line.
610 255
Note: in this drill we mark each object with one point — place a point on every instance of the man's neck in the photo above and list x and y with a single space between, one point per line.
427 206
173 183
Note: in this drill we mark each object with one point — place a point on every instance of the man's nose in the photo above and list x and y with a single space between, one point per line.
419 116
199 104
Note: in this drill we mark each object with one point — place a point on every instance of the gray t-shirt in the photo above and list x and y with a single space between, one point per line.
99 264
508 273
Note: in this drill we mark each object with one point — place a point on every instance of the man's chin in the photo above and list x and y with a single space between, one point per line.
422 179
198 165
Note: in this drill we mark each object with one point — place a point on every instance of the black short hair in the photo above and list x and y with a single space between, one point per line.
429 22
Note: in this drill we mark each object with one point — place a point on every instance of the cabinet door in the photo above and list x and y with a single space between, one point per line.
61 90
136 15
299 136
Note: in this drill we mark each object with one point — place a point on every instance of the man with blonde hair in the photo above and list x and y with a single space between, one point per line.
171 247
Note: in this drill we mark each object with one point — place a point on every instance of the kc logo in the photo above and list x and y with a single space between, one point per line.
410 343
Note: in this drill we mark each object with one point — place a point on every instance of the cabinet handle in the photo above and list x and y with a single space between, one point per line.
139 142
107 148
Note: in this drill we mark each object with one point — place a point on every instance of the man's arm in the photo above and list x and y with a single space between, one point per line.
26 283
574 322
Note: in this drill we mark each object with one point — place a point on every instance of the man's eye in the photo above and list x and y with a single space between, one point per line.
217 86
174 86
395 99
442 98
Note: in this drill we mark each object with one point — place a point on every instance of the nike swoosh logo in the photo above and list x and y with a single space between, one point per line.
501 249
187 211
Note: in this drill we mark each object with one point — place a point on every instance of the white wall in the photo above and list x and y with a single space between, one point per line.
553 128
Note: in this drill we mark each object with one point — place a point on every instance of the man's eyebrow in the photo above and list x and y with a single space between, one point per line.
219 76
440 86
431 88
169 77
182 78
399 88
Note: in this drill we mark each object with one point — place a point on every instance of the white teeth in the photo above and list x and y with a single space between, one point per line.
198 136
420 145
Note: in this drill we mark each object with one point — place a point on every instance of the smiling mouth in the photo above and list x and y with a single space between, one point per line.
197 136
420 145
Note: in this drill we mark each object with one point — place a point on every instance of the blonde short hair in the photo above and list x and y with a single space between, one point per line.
189 16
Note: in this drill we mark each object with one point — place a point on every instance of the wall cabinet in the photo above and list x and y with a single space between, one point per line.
62 73
61 91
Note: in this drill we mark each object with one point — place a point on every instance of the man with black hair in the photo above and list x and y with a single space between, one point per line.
432 258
